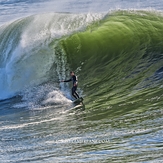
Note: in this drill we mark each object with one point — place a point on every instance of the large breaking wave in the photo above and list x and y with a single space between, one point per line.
115 54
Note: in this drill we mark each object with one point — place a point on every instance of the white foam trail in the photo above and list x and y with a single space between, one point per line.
11 127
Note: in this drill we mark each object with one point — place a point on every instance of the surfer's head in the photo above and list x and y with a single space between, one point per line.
72 73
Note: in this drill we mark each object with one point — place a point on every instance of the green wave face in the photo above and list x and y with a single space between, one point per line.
120 56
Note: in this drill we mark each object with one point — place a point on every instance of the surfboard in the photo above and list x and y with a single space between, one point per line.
78 101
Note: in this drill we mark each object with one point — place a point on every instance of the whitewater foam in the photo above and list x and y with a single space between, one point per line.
56 97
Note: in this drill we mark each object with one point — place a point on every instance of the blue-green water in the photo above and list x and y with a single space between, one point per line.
117 56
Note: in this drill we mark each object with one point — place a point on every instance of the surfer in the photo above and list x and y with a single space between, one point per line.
75 84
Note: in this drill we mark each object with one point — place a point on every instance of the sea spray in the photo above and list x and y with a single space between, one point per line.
29 56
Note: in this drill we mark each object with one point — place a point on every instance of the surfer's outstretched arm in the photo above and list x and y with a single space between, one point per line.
66 80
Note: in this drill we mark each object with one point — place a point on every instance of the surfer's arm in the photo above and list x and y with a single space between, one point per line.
66 80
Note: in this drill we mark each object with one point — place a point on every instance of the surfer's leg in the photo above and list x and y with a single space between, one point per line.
74 94
75 88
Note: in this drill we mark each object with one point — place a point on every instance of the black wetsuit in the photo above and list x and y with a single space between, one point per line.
74 88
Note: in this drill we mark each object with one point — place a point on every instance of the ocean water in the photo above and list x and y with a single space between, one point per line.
115 49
